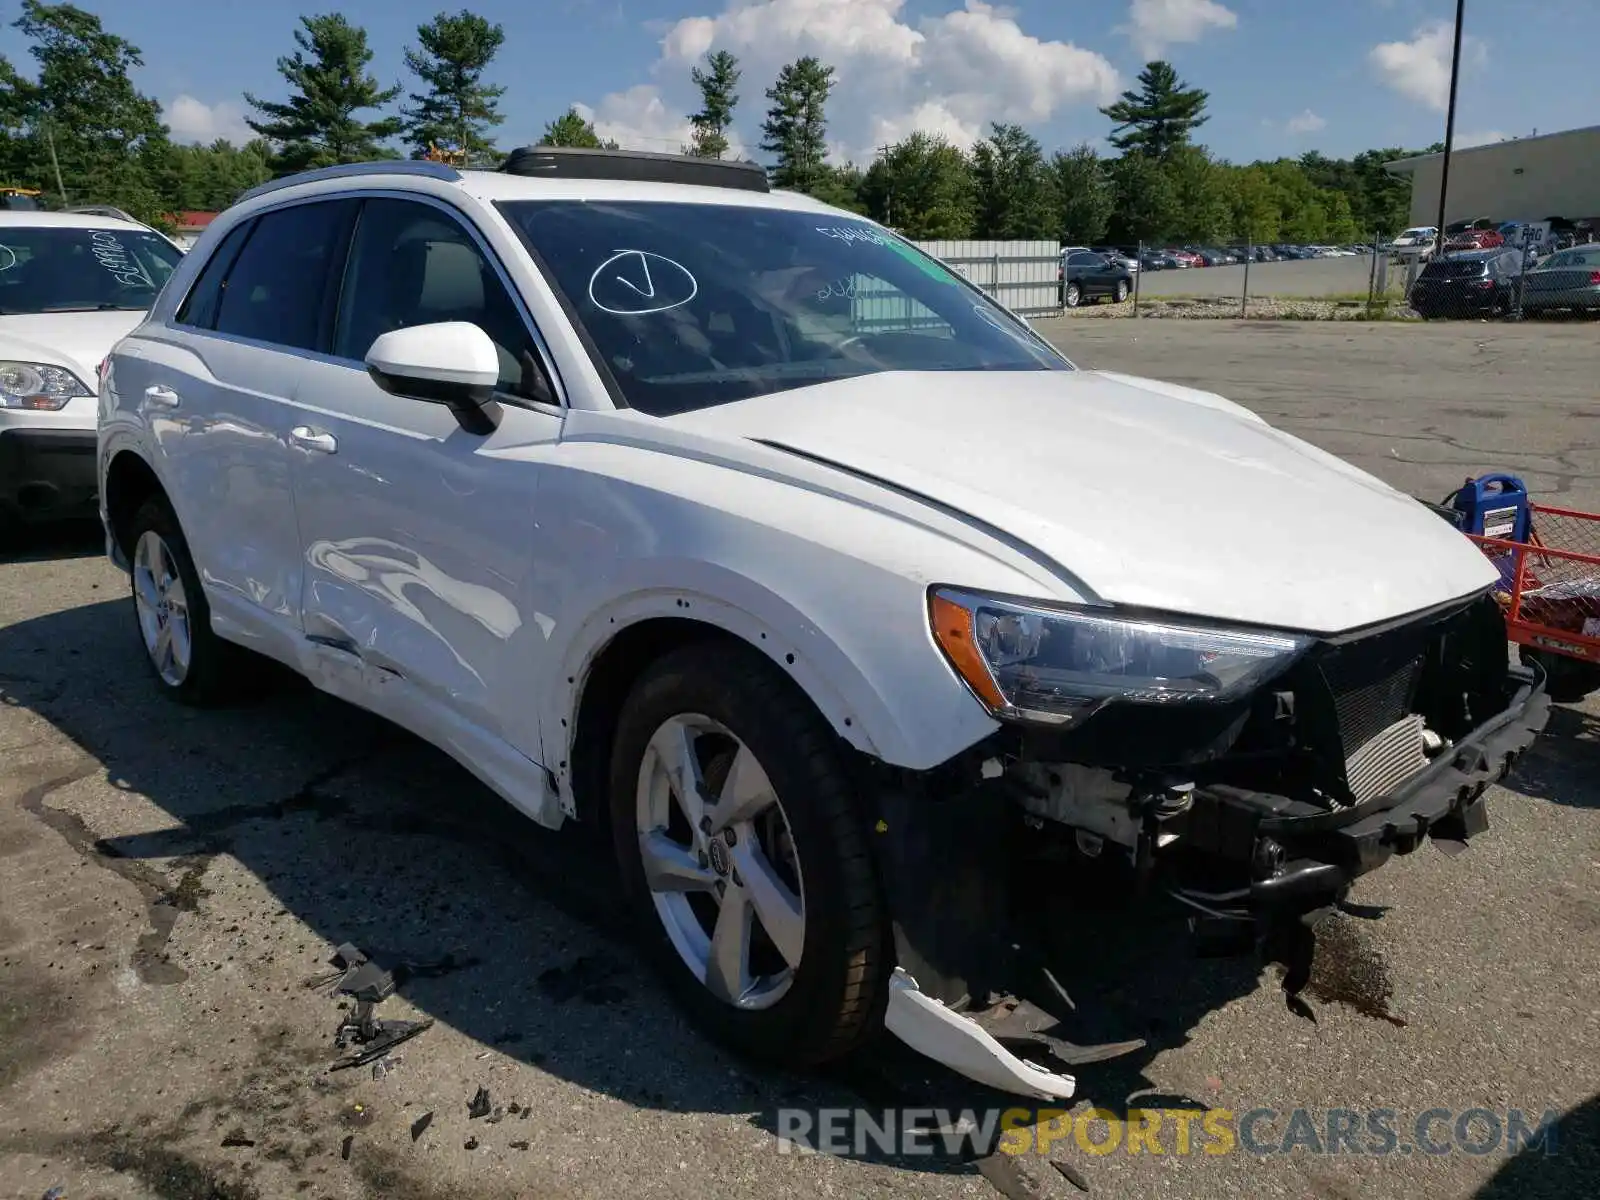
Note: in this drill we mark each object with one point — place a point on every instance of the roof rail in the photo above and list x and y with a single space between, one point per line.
104 210
572 162
388 166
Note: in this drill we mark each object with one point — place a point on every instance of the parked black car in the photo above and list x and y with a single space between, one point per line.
1091 276
1467 284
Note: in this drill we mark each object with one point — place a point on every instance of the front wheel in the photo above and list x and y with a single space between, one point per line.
745 859
1121 293
191 663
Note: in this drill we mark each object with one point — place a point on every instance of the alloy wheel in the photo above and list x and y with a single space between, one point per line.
720 862
163 608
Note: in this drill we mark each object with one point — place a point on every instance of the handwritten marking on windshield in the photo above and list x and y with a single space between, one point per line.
8 258
625 285
115 258
847 233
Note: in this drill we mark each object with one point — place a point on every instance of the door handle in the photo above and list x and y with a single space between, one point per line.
156 396
308 438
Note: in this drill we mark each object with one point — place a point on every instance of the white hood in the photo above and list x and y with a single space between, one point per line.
1149 494
79 340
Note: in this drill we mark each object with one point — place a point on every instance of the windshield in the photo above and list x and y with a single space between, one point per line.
61 269
693 305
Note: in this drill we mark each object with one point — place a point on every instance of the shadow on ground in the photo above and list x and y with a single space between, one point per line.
1563 764
368 835
1562 1167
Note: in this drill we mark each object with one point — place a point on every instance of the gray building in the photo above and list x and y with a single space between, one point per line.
1524 179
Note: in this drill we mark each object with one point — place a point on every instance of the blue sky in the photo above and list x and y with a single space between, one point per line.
1285 76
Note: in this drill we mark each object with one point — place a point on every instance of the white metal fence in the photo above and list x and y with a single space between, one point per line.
1023 276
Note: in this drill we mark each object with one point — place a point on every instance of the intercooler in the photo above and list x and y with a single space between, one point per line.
1373 686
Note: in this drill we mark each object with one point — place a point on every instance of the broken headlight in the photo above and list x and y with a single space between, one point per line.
1058 665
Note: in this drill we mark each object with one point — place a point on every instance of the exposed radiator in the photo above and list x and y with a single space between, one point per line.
1387 760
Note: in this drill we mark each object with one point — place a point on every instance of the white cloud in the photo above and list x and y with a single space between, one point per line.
1156 24
949 74
639 119
1420 68
1484 138
193 120
1305 122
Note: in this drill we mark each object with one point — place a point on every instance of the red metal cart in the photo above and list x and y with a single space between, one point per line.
1550 589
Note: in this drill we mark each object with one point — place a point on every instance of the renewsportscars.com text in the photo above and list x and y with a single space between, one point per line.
1376 1132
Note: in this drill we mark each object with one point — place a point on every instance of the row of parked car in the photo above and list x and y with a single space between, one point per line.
1501 280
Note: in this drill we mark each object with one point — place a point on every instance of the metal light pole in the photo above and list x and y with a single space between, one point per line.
1450 125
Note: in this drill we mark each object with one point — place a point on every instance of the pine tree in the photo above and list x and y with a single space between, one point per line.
717 99
1159 117
318 126
796 127
1013 186
570 129
457 110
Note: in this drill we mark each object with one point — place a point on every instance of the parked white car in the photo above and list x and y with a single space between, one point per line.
1418 243
738 525
71 284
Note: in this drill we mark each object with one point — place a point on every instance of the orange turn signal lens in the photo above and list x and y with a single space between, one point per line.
952 629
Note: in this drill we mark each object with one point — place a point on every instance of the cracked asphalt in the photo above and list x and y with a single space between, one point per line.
169 880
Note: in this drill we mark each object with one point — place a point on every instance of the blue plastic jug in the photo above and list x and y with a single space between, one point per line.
1494 506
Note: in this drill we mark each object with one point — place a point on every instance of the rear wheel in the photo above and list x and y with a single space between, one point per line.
745 860
1074 295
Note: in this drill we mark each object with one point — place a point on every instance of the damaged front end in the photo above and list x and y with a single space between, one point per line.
1254 810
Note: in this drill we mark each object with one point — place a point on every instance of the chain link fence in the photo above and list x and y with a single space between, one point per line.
1515 272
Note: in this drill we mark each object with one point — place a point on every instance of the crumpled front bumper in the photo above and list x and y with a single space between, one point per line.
1256 869
1305 858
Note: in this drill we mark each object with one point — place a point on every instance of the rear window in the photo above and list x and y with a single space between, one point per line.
1445 269
54 268
1589 256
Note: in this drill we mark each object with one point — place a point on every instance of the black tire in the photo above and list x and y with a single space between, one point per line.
219 672
1073 295
835 1001
1567 680
1121 293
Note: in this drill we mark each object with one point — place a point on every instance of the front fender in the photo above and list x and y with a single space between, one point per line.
897 701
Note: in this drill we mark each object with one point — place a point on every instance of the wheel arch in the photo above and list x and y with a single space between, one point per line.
129 482
617 641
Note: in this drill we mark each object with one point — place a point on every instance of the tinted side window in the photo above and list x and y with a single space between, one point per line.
275 290
412 264
200 305
1084 259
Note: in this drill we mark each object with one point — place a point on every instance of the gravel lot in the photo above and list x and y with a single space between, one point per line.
169 879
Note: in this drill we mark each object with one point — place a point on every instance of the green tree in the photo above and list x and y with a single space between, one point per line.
1160 116
209 178
107 136
1013 186
1083 196
457 109
570 129
1201 186
923 187
718 98
796 128
1146 204
1341 222
329 84
1254 200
